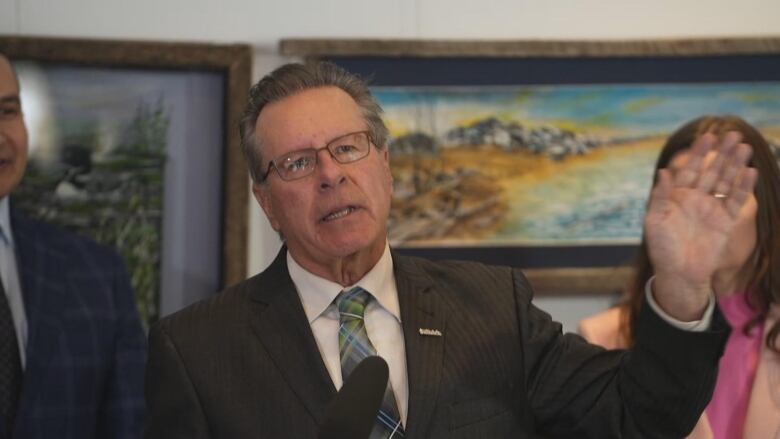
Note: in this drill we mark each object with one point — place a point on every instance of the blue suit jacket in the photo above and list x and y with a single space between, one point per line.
86 348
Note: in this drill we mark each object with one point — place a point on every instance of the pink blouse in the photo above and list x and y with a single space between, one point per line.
728 407
746 401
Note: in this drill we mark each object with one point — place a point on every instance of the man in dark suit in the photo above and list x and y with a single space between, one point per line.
468 353
72 349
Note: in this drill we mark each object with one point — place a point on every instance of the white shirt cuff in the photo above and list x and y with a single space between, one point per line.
694 326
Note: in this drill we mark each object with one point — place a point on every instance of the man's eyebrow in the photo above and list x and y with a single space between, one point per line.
14 99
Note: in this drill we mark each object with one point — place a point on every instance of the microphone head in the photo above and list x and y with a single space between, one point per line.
352 412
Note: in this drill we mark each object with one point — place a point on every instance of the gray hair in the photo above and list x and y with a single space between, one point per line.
290 79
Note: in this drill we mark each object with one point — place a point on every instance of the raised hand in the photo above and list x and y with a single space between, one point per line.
692 211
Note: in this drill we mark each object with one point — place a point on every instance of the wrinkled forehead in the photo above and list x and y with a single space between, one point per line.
307 119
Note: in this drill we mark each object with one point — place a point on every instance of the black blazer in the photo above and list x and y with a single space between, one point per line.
245 364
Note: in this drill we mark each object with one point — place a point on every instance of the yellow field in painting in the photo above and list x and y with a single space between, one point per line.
502 176
486 196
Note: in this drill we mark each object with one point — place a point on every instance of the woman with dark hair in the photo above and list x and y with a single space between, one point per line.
746 401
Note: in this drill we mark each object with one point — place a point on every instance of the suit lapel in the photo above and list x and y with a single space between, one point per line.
422 307
279 321
42 280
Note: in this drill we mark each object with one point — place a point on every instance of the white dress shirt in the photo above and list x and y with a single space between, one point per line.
382 318
693 326
9 275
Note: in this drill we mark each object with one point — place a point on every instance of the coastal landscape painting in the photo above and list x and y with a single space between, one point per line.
541 165
539 154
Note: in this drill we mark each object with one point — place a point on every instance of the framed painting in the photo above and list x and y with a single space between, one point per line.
135 144
540 154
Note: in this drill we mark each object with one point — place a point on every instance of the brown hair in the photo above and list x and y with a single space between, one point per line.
13 69
293 78
764 276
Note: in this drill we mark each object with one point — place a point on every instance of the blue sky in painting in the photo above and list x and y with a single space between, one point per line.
638 109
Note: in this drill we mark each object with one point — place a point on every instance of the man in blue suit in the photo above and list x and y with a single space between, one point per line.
72 349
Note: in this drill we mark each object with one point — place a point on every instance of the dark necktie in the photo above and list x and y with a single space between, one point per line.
354 346
10 365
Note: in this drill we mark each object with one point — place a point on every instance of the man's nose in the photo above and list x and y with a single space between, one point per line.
329 171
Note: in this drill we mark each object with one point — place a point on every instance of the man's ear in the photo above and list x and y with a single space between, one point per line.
263 197
386 158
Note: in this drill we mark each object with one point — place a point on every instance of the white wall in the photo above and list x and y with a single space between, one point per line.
262 23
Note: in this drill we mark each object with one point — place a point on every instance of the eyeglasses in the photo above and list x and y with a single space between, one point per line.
298 164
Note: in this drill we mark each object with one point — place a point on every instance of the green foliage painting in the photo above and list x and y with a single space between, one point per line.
103 180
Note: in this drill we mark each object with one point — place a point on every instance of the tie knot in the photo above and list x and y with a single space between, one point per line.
352 303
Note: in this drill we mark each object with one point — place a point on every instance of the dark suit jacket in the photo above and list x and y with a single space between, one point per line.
245 364
86 348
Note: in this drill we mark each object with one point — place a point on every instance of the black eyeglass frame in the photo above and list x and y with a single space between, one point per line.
332 142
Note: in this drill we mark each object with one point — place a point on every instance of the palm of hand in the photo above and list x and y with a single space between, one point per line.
689 231
687 228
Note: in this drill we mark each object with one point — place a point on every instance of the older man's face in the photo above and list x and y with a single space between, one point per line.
340 209
13 134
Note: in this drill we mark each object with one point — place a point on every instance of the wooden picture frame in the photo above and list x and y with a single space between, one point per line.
570 270
233 64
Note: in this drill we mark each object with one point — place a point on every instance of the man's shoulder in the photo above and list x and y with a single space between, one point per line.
233 305
57 241
225 308
450 268
463 280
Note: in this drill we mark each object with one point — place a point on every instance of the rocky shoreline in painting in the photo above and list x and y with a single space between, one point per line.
548 140
428 205
433 199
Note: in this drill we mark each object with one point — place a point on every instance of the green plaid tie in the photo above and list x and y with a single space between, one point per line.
354 346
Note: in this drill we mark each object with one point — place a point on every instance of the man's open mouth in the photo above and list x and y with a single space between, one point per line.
340 213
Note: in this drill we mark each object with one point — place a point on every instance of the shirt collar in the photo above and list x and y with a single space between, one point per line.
6 235
318 293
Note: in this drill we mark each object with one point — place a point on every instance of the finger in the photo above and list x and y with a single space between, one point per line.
716 162
735 164
724 157
711 173
688 173
741 191
662 190
730 140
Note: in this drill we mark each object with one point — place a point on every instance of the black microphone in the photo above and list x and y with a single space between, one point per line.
352 412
